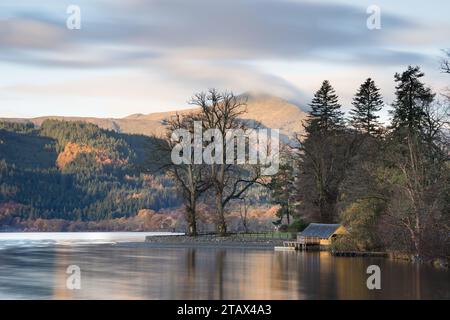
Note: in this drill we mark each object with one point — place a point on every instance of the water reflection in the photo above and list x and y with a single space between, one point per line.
140 272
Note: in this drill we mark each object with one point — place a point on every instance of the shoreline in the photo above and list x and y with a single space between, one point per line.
233 242
212 241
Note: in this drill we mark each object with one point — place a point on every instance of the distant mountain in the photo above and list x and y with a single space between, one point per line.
271 112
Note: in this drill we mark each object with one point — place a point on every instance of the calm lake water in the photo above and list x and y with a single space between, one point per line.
114 268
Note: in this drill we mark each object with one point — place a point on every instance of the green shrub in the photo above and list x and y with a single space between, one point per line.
344 243
297 226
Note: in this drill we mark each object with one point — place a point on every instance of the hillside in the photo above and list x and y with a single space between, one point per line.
271 112
81 172
74 176
75 171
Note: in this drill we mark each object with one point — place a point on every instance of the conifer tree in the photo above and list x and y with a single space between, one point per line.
366 103
325 114
282 186
412 98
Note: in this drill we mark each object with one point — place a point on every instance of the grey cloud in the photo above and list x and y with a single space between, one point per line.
220 29
69 58
225 75
192 44
253 29
377 57
393 57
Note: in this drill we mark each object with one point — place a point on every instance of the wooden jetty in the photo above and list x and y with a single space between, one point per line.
302 243
284 248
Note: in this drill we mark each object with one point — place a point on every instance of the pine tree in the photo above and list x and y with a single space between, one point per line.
366 103
412 97
282 186
325 115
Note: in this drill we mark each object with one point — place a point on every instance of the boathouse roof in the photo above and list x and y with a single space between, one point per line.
321 230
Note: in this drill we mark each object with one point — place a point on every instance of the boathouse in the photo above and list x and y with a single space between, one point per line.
324 233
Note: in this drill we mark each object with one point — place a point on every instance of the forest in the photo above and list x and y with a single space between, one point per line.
75 171
387 183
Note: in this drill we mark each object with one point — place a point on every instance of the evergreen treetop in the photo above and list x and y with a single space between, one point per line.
412 97
325 114
366 103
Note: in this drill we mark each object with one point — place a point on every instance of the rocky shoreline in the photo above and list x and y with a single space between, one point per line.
213 241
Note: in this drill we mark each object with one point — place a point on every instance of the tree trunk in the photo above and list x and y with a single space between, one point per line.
417 242
243 214
288 216
417 246
327 207
245 226
221 224
192 219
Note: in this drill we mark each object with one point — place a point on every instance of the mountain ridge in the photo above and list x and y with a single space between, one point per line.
271 111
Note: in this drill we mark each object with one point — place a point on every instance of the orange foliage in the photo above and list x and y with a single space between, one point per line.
8 208
135 196
72 150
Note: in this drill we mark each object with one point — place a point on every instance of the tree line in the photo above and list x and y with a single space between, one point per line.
388 182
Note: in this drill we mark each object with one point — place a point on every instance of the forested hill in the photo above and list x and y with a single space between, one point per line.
75 171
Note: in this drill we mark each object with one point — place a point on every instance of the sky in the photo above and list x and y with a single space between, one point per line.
144 56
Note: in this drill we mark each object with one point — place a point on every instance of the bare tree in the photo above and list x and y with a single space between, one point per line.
191 178
445 62
436 122
324 162
445 68
243 212
222 111
418 186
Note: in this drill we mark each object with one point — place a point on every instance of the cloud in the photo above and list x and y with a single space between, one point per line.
167 80
195 29
140 53
29 34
